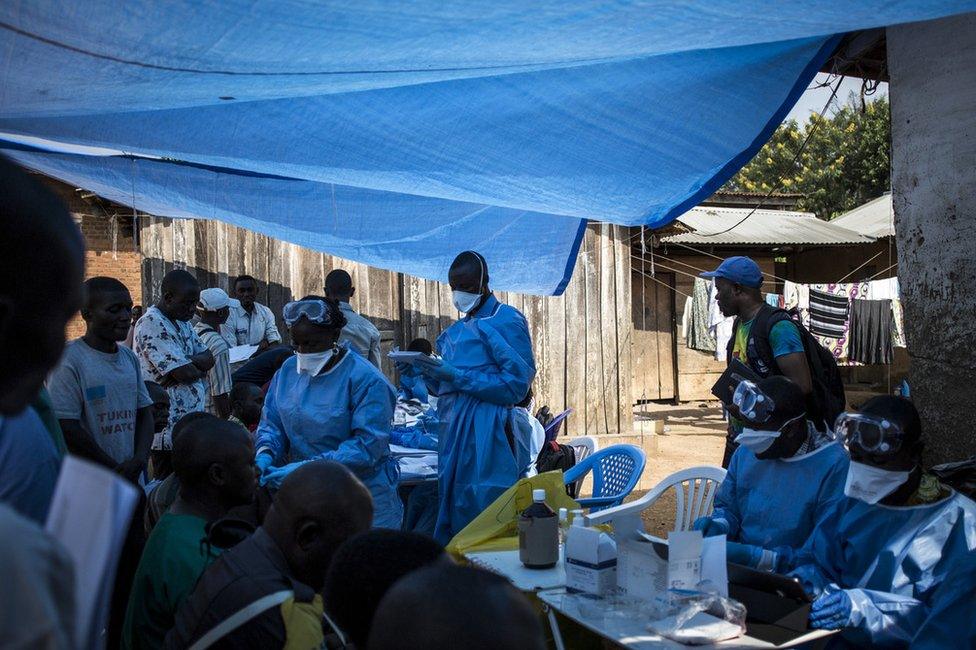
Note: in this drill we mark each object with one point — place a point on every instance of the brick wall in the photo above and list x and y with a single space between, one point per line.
110 242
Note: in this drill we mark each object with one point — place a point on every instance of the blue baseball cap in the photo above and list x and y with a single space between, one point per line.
741 270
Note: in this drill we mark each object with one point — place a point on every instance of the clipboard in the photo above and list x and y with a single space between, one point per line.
729 381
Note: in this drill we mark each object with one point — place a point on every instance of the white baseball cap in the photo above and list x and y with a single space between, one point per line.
213 299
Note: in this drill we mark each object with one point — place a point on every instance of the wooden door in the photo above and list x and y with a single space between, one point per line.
653 343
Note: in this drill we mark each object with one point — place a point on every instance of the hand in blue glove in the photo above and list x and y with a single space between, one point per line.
274 476
744 554
711 526
832 611
441 370
263 460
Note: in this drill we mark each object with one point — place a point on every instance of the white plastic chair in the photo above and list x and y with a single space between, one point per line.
695 489
583 446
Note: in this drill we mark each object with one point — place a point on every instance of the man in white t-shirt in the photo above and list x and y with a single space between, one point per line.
249 322
97 390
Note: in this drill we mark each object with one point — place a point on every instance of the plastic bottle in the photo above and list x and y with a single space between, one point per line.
538 529
563 525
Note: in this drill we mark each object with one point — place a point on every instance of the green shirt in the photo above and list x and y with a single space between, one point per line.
173 560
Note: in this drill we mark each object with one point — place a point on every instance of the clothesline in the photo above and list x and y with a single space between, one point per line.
663 284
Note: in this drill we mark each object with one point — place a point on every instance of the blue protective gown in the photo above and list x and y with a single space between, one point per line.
412 386
777 503
891 561
492 354
342 414
952 619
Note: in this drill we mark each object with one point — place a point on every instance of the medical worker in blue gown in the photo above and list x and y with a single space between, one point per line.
486 368
328 403
784 480
876 566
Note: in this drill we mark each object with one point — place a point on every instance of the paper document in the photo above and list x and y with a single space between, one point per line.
240 353
400 451
90 514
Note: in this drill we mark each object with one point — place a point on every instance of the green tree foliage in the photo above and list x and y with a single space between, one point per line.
845 163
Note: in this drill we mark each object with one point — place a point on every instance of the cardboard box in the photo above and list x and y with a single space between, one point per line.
591 561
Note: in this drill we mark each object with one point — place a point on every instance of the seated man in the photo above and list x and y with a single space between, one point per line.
412 385
319 506
876 563
160 495
463 607
246 402
214 462
364 569
784 479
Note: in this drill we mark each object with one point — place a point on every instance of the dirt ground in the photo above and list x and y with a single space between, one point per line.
694 434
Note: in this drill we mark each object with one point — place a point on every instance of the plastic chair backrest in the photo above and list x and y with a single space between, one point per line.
584 446
552 429
695 489
616 470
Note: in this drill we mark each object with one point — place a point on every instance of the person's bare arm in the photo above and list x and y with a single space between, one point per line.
795 367
186 374
203 361
82 443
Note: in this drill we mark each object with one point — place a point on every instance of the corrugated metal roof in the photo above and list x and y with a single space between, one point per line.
763 227
874 219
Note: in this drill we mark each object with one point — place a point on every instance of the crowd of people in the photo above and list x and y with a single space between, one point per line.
270 500
271 514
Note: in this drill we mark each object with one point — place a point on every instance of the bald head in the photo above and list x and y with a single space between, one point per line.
463 607
180 294
214 461
41 239
469 273
319 506
338 286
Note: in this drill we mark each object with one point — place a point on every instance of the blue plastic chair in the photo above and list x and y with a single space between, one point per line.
616 470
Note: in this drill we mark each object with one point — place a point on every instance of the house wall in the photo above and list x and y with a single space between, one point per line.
833 263
110 244
581 340
933 128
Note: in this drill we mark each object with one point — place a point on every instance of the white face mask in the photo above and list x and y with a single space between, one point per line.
464 302
758 441
311 363
870 484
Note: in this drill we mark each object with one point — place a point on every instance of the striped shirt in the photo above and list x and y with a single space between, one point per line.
218 377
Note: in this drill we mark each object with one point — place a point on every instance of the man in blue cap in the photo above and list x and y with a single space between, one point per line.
766 341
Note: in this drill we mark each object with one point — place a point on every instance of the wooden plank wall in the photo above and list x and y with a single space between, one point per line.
581 339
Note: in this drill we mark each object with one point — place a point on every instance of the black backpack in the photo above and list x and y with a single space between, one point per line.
555 456
828 400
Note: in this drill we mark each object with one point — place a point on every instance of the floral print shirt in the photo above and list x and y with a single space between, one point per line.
163 345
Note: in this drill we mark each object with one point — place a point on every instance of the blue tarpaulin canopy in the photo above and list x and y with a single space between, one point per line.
398 132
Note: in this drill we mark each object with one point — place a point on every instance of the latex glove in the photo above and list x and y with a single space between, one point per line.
274 476
744 554
442 371
711 526
832 611
263 462
404 368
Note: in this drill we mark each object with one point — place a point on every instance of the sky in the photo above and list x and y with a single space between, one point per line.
813 100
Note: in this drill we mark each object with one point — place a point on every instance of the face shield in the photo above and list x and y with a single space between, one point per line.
753 404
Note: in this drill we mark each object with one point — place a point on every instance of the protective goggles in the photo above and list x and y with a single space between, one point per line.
753 404
871 434
315 311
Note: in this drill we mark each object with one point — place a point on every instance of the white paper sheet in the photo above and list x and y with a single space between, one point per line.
90 514
240 353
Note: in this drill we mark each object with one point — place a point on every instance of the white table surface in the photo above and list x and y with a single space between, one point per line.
631 631
506 563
